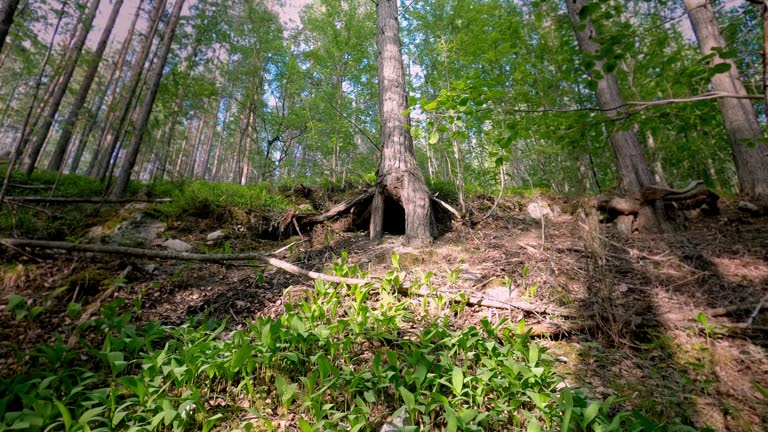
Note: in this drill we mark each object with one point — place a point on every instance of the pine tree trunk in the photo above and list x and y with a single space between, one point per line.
110 93
634 173
132 151
54 164
58 96
20 142
7 11
399 176
750 153
131 87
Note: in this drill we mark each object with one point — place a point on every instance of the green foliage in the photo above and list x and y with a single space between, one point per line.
333 359
204 198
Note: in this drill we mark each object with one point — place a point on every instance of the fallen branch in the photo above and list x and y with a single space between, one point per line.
67 200
757 310
447 207
181 256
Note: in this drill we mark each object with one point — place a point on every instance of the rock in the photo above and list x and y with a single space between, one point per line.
307 209
624 224
748 207
399 420
177 245
216 235
539 210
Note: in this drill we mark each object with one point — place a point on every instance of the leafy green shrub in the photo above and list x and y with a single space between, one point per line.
333 359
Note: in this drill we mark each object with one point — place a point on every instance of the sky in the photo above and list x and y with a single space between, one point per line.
288 12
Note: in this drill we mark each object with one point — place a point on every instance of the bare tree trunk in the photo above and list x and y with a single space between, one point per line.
215 167
7 11
58 96
54 164
750 153
399 176
132 151
114 79
18 147
130 93
634 173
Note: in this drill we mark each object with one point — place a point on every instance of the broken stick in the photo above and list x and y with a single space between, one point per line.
181 256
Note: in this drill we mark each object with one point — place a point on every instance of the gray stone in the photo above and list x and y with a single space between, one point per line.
399 420
216 235
177 245
748 207
539 210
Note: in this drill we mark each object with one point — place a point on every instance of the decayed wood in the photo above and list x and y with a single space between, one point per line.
183 256
617 206
81 200
693 196
337 210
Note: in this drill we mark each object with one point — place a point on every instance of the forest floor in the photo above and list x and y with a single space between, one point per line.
655 320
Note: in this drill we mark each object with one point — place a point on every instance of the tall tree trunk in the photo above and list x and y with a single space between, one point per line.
7 11
110 93
54 164
399 176
132 151
58 96
750 153
634 173
18 147
133 84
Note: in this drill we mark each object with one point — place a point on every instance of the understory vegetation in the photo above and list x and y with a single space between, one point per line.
333 360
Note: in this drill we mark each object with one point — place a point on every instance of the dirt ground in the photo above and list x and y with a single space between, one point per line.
618 312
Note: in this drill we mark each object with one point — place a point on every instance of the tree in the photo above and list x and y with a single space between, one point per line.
61 89
67 128
132 151
398 175
634 173
7 11
750 153
100 167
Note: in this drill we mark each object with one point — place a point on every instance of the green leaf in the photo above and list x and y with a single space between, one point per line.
434 137
451 419
304 425
591 412
457 379
66 416
721 68
408 397
91 413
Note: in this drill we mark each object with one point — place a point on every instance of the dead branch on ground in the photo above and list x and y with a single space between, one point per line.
80 200
181 256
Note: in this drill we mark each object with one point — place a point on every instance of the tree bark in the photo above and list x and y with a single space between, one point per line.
124 108
750 154
132 151
58 95
399 176
634 173
7 11
114 80
19 144
54 164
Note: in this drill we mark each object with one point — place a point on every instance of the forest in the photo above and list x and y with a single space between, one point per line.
382 215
